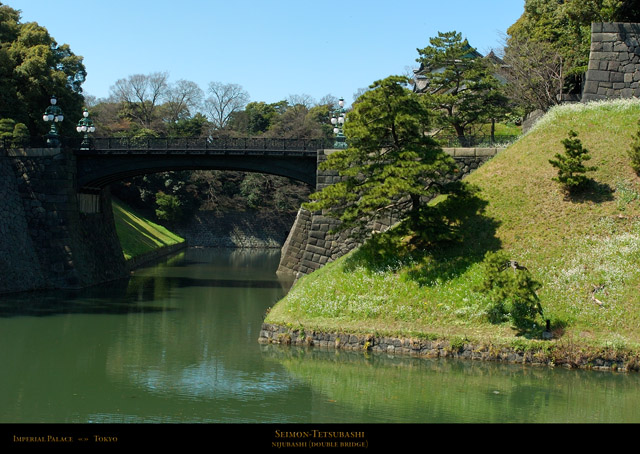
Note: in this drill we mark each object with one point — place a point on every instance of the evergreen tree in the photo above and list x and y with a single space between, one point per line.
460 86
32 68
391 165
511 292
571 170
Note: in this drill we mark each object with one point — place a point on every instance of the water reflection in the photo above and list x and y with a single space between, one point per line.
177 342
381 388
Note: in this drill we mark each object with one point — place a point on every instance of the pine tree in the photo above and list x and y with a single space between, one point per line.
391 165
511 292
459 84
571 170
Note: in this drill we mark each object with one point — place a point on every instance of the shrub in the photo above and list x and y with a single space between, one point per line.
511 291
169 207
571 170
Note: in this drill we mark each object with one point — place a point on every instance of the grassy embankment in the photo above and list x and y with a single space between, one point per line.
570 245
137 234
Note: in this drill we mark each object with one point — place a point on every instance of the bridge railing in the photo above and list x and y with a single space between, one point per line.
210 144
248 145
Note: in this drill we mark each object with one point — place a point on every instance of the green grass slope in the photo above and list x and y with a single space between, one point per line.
137 234
571 245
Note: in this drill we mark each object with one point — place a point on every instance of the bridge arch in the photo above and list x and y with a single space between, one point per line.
106 161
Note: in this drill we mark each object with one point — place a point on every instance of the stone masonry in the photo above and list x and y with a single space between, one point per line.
46 240
239 229
614 62
309 245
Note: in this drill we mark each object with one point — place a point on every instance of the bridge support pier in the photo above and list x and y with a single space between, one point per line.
46 239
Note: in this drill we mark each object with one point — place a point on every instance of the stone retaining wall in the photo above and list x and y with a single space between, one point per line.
19 266
48 242
546 353
248 229
614 62
310 246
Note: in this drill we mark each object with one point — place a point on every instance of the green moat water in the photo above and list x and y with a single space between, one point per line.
177 343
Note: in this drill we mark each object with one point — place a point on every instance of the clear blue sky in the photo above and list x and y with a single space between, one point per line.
273 48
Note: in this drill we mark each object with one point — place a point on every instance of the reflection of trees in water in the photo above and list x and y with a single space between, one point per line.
405 389
210 267
235 258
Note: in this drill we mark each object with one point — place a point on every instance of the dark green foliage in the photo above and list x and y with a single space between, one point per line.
254 188
512 293
448 219
169 207
461 88
188 127
634 151
391 166
32 68
255 119
571 170
16 133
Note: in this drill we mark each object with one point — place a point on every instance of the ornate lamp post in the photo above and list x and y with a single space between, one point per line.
337 120
85 125
53 114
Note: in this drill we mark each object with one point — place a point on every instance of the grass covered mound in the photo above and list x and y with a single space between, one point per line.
137 234
582 248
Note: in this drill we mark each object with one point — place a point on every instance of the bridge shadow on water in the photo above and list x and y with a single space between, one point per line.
124 296
144 291
114 298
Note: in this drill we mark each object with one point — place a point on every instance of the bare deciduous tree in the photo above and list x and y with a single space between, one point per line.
223 101
183 99
301 100
329 100
534 72
141 94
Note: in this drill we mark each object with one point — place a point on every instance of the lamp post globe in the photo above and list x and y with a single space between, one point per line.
53 114
85 126
337 120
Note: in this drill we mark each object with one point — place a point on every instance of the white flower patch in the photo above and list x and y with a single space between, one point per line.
604 263
616 105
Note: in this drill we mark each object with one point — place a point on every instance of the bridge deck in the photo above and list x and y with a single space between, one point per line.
210 145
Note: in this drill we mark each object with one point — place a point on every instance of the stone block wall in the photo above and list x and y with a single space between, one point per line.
240 229
19 266
310 245
614 62
48 242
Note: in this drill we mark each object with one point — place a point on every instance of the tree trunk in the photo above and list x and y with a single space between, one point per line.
460 133
493 131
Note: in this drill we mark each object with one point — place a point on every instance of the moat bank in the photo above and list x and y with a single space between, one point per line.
536 353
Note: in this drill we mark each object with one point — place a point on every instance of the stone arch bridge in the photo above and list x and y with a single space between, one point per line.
57 228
